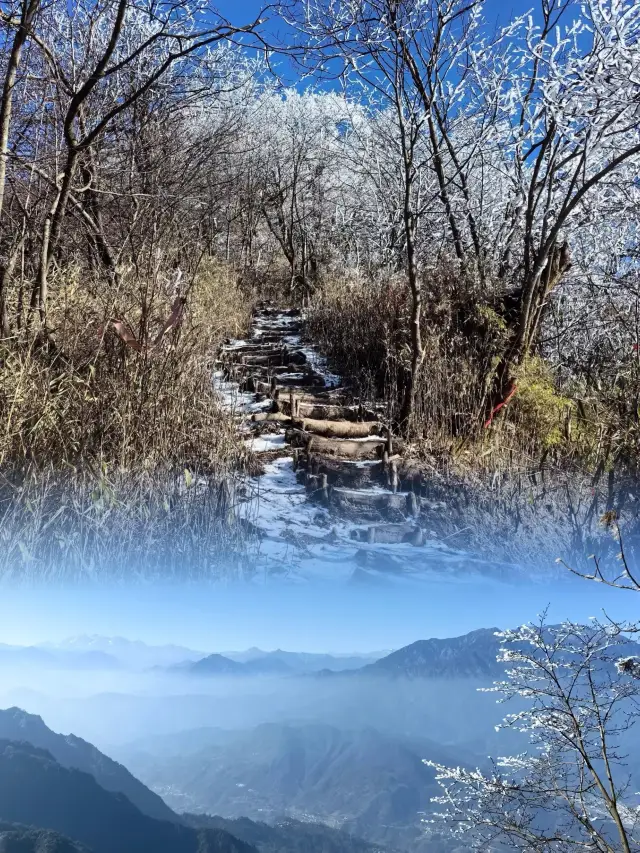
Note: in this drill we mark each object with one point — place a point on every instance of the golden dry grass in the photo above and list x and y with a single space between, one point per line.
95 437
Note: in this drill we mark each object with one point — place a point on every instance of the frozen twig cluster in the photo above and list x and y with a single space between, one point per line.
577 698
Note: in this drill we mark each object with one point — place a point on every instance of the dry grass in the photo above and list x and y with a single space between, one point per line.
554 460
364 328
95 437
93 398
363 325
120 525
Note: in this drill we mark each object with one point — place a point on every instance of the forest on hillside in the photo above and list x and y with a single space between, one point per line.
454 204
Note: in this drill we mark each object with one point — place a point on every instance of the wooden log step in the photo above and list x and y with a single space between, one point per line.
275 358
254 348
267 311
320 397
290 326
262 372
318 410
300 378
338 429
345 448
391 534
340 472
272 335
296 356
380 501
283 389
264 338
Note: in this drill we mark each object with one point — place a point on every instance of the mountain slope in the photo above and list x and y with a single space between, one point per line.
214 665
72 751
288 836
371 784
471 656
36 790
15 838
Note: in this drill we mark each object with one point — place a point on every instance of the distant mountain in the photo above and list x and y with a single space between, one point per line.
257 662
15 838
34 656
132 653
471 656
174 743
221 665
215 665
364 782
71 751
37 790
267 666
288 836
101 652
307 661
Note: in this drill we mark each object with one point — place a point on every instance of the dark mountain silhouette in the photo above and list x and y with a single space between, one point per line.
15 838
72 751
472 655
36 790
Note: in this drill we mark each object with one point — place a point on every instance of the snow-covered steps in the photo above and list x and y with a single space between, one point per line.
334 498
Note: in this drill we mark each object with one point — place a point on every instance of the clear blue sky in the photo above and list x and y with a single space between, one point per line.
241 11
300 618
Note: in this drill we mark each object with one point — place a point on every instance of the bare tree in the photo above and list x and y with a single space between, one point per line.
96 63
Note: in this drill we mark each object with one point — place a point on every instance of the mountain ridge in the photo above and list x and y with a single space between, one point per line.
36 790
365 782
469 655
74 752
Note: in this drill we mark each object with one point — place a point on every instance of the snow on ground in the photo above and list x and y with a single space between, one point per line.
300 539
304 540
262 443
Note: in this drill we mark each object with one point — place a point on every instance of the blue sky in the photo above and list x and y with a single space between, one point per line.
241 11
327 618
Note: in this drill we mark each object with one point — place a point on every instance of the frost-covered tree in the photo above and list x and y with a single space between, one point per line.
576 788
524 144
298 144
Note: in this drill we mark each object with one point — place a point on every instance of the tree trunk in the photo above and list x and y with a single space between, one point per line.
6 274
408 405
29 9
528 317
